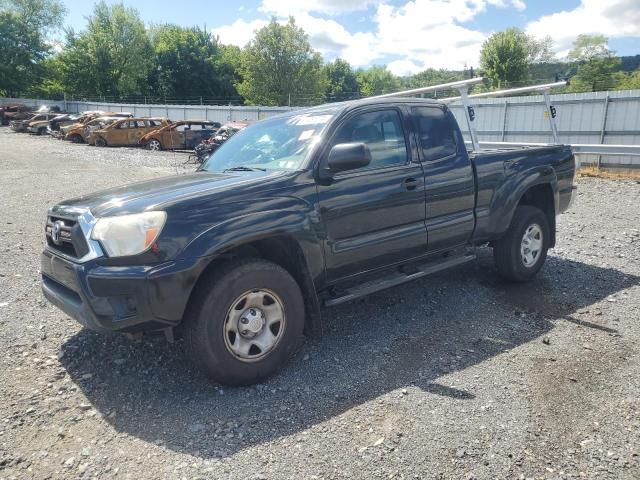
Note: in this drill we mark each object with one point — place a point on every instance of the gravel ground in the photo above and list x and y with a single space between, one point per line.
455 376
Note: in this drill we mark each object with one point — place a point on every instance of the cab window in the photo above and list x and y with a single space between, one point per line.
382 132
435 132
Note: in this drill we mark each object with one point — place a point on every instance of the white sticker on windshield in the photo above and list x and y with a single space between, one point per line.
306 135
311 119
291 164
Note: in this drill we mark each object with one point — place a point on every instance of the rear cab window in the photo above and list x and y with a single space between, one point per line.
436 136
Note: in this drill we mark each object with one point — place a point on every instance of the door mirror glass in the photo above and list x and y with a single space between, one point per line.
345 156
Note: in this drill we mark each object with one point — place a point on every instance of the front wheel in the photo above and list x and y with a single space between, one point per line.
521 252
153 145
100 142
244 321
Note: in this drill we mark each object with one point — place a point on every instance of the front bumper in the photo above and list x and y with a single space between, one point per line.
120 298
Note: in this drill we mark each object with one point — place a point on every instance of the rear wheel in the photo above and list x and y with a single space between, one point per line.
521 252
42 131
100 142
154 145
244 321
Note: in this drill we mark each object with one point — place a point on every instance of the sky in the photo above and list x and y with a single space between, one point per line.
407 36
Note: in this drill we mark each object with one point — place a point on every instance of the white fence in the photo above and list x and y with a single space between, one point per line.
595 118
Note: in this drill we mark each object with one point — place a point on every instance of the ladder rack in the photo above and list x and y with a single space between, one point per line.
463 87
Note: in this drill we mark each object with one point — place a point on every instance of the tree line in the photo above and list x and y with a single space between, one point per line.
117 56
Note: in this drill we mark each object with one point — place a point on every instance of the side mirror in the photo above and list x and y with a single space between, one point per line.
343 157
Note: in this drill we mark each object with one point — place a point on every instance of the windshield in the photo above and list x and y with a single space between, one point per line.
276 144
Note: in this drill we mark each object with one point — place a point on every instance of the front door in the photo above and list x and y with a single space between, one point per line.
449 178
374 216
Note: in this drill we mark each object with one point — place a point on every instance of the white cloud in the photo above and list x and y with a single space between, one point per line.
332 40
329 7
416 35
239 32
613 18
437 39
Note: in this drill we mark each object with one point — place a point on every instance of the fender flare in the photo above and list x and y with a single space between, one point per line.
510 194
296 225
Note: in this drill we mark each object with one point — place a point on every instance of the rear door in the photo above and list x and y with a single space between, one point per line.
450 187
374 216
119 134
137 129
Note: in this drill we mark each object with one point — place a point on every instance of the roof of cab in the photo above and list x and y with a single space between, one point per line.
340 107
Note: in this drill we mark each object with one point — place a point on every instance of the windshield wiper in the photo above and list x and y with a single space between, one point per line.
243 168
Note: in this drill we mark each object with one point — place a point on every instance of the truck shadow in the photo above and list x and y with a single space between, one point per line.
407 337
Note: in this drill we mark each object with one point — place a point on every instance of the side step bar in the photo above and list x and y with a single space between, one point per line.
399 278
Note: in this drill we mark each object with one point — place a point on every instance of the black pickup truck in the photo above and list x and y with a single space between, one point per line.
309 209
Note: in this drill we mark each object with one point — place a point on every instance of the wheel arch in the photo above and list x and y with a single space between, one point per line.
282 249
542 197
537 188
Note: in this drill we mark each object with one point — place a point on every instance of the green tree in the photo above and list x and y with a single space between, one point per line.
24 26
506 57
342 83
432 76
228 67
628 81
596 64
188 62
279 66
51 82
377 80
113 57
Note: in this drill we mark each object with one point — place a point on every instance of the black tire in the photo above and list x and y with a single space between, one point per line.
507 251
206 316
42 131
76 139
100 142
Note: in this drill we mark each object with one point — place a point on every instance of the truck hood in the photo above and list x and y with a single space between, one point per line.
161 193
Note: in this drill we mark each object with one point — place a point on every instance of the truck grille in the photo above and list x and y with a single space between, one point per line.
65 236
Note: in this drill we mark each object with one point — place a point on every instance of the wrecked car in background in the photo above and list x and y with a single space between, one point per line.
73 132
14 111
203 150
127 132
183 135
80 132
39 125
41 119
62 120
87 131
228 130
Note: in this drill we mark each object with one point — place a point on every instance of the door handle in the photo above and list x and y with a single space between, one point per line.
410 183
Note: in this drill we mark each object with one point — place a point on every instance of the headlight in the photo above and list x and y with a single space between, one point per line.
128 234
